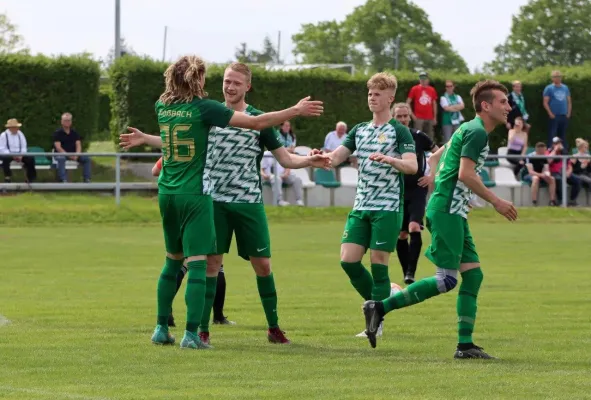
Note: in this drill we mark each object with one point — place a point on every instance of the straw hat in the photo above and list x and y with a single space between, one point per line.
13 123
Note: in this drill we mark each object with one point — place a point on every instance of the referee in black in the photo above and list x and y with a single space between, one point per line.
416 188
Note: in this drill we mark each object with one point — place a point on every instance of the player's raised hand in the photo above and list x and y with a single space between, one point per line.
309 108
320 161
133 139
381 158
506 209
425 181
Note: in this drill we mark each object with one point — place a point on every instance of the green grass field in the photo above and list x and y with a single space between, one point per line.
77 307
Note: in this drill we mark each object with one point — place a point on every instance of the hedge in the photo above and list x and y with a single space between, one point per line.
137 83
104 111
37 90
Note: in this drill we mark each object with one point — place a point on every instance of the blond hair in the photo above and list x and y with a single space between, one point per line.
241 68
580 142
383 81
183 80
483 91
400 105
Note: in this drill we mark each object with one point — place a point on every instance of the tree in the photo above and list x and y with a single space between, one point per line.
10 40
267 55
368 37
126 50
546 32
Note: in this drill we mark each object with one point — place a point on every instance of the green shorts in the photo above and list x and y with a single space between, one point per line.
377 230
187 221
249 222
451 240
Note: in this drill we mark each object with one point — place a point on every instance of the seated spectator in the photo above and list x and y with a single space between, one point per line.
582 167
538 170
556 171
285 176
289 138
334 139
517 145
12 140
67 140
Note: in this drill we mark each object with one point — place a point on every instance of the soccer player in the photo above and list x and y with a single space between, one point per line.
385 151
220 294
457 167
186 116
416 187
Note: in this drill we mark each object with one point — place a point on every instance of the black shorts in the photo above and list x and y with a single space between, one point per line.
415 201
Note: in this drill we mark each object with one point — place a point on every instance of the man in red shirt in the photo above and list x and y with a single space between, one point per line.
423 100
556 171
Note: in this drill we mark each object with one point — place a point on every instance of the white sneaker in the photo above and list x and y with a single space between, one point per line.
300 203
378 333
283 203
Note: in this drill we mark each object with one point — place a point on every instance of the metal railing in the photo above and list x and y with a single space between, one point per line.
276 187
563 157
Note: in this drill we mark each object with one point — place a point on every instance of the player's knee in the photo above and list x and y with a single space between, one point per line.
403 235
447 279
414 227
379 257
261 265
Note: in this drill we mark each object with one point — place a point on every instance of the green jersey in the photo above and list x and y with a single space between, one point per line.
379 186
236 163
450 195
184 129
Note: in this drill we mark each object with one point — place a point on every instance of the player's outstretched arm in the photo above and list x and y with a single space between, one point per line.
407 164
304 108
471 179
294 161
136 138
337 156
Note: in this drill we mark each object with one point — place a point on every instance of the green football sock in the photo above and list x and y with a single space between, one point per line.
381 282
466 305
167 289
413 294
360 278
211 283
195 294
268 294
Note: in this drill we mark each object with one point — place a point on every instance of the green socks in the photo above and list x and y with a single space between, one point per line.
360 278
466 305
266 286
167 289
413 294
381 282
211 283
195 294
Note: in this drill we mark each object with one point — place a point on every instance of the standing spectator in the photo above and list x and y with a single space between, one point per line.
517 103
556 171
582 167
289 138
12 140
423 100
67 140
538 171
285 177
558 105
517 144
452 104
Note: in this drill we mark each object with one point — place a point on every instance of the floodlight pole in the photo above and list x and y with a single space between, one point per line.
117 29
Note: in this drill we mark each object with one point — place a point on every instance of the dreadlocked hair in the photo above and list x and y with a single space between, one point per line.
182 80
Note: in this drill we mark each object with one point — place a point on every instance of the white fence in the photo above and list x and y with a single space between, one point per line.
118 186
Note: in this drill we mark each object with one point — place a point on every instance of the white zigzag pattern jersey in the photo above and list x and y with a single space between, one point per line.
379 186
451 195
236 161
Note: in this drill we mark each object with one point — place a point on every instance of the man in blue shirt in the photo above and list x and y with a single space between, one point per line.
558 105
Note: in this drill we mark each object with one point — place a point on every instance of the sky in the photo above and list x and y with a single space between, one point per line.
214 29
